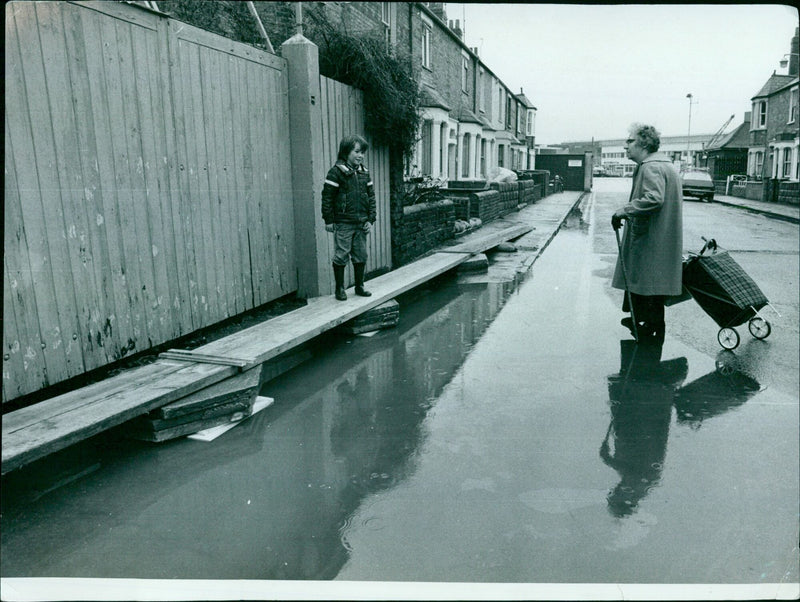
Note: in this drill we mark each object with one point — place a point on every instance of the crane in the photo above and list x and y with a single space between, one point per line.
718 133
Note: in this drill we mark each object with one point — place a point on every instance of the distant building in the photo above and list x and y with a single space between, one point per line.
682 150
727 156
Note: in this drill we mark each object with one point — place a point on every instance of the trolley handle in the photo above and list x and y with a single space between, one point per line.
711 245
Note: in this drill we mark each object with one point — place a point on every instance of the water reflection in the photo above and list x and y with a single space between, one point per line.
635 445
270 499
720 391
641 398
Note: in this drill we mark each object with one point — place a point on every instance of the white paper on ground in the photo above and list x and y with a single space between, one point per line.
216 431
371 333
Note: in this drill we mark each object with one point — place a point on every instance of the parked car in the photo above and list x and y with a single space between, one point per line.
698 184
599 171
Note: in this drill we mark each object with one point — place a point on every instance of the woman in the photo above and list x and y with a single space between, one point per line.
652 243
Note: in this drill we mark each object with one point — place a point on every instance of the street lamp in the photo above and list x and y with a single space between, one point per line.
784 62
689 133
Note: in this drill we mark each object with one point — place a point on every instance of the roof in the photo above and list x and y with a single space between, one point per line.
467 116
774 83
738 138
524 100
431 98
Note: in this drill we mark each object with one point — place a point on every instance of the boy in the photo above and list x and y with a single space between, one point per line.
348 209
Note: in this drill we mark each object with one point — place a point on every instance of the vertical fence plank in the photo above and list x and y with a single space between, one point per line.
118 327
239 126
42 214
175 312
153 254
71 186
114 38
98 338
17 264
182 214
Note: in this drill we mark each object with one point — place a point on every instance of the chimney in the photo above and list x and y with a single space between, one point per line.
793 57
457 28
437 8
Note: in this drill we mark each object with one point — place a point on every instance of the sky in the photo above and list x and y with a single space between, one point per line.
592 70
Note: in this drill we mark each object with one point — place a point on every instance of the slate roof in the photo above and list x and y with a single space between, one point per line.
773 84
431 98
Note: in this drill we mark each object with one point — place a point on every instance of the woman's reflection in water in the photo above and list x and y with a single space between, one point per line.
641 398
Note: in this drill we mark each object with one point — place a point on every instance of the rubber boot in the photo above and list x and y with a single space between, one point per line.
338 275
358 271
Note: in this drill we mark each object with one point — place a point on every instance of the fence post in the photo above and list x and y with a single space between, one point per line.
308 172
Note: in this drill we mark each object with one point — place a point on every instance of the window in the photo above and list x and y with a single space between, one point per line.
759 114
758 163
465 156
426 47
483 157
502 105
500 155
481 104
464 73
386 19
793 105
427 148
787 163
508 111
529 124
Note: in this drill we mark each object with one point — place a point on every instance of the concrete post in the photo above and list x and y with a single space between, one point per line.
308 172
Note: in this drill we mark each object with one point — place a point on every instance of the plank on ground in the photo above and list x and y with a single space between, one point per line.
268 339
34 432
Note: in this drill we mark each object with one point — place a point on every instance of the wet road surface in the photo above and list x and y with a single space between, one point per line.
505 431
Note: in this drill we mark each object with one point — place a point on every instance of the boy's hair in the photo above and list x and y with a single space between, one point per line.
649 138
348 143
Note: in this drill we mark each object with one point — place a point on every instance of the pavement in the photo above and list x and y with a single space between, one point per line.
782 211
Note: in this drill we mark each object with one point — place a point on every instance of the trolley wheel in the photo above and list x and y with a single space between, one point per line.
728 338
759 328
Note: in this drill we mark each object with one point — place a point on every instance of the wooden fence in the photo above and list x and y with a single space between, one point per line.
147 185
343 114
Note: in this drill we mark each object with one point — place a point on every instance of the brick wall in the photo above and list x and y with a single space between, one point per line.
423 227
529 192
789 192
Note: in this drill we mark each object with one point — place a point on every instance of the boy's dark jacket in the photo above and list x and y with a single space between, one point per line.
348 195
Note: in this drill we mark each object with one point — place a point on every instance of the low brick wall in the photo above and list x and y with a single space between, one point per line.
424 227
509 197
720 186
789 193
529 192
748 190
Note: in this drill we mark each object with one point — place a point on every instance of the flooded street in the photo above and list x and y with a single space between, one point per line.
505 431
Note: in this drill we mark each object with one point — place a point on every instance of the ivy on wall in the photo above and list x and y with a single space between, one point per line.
391 94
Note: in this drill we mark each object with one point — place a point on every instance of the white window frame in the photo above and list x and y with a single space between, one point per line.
529 123
427 34
481 95
786 164
386 19
759 115
464 72
793 100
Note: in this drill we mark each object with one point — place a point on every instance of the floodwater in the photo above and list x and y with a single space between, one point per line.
504 431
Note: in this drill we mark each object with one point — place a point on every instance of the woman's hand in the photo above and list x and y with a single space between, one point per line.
367 227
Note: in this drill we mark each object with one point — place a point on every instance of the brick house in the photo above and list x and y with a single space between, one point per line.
773 149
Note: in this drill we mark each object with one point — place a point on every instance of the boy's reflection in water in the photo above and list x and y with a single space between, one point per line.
641 398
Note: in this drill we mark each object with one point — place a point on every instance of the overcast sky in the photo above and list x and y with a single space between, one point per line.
592 70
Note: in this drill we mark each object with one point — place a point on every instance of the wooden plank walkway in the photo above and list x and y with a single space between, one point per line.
46 427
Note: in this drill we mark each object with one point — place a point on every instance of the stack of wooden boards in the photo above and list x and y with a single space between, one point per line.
385 315
228 401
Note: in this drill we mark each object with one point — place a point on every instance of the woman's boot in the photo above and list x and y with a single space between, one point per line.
338 276
358 272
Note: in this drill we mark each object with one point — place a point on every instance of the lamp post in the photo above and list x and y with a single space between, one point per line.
689 132
784 62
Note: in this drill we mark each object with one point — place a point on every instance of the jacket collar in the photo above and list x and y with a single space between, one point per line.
657 157
346 169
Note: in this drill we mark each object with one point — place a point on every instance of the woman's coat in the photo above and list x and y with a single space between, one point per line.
652 243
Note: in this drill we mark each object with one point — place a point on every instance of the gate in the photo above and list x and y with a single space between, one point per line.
147 185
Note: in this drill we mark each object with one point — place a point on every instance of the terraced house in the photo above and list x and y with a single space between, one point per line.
774 148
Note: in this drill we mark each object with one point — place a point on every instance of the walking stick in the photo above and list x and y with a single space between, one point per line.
625 280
